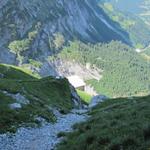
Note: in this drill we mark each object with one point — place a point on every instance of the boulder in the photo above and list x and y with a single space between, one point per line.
21 99
75 98
15 106
97 99
18 97
1 75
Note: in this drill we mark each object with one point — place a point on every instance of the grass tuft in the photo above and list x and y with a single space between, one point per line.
115 124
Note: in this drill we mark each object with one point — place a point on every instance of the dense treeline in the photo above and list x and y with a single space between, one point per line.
125 72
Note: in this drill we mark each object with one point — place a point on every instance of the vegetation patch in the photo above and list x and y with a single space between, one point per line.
125 72
84 96
115 124
14 72
43 95
131 23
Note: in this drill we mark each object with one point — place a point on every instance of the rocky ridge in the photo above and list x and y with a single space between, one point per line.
41 22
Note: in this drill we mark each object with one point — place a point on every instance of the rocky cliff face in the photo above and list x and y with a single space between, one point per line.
40 21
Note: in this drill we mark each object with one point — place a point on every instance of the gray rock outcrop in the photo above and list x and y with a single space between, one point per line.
80 19
15 106
97 99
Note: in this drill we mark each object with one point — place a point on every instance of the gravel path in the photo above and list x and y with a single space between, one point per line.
43 138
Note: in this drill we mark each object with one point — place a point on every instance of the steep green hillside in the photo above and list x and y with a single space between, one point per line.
114 125
145 15
138 30
127 5
125 72
146 51
14 72
23 98
140 8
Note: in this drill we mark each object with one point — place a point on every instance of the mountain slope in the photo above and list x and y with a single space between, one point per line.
14 72
122 71
139 8
130 19
127 5
26 100
145 14
114 125
45 26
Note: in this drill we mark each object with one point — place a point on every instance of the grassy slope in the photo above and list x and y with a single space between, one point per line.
114 125
14 72
42 94
84 96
